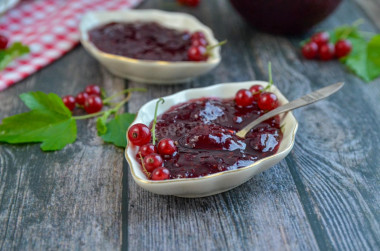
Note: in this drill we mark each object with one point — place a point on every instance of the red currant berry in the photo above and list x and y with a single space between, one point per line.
152 161
93 104
93 90
166 147
3 42
199 42
268 101
321 38
197 53
197 35
244 98
139 134
69 102
81 98
148 149
310 50
342 48
256 90
160 173
326 52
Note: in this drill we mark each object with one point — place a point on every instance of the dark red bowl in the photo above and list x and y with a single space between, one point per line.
285 16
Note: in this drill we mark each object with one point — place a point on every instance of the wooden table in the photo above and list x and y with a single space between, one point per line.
323 196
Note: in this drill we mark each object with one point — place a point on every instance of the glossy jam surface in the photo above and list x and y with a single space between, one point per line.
204 130
149 41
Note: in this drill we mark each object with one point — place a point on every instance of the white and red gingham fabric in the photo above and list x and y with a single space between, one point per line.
49 28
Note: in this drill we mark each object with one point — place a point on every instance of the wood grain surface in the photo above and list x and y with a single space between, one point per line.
323 196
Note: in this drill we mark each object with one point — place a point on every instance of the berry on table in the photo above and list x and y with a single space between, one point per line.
343 47
3 42
310 50
148 149
160 173
268 101
166 147
93 90
256 90
139 134
327 52
81 98
197 53
152 161
93 104
321 38
69 102
244 98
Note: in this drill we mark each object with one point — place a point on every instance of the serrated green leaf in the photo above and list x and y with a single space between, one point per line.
14 51
117 129
42 101
344 32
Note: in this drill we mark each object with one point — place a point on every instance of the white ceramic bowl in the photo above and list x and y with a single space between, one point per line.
214 183
149 71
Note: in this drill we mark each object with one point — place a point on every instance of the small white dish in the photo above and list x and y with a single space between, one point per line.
149 71
214 183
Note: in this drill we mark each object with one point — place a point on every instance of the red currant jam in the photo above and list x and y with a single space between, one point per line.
204 132
139 40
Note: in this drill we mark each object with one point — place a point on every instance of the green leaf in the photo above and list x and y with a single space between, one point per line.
101 123
117 129
344 32
48 122
14 51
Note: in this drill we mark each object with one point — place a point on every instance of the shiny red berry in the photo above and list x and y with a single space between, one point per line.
152 161
3 42
69 102
93 104
268 101
166 147
321 38
93 90
197 35
343 47
310 50
197 53
244 98
199 42
81 98
139 134
148 149
326 52
160 173
256 90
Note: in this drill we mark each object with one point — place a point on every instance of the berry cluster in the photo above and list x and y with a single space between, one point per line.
3 42
192 3
320 47
90 99
257 94
151 156
198 49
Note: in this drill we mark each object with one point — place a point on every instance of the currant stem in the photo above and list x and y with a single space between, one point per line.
211 47
106 100
143 166
155 120
270 76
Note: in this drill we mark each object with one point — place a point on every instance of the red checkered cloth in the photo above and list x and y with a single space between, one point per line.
49 28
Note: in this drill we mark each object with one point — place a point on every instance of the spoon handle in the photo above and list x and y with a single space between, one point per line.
302 101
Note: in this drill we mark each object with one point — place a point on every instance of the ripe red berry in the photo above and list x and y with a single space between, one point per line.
93 90
139 134
244 98
3 42
268 101
321 38
197 35
160 173
192 3
152 161
69 102
197 53
256 90
81 98
199 42
148 149
166 147
343 47
93 104
310 50
326 52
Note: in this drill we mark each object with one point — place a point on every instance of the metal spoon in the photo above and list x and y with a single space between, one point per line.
302 101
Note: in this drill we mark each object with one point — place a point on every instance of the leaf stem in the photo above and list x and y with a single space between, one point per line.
106 100
153 130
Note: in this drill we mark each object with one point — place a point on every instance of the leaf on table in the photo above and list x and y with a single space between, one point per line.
14 51
48 122
344 32
117 128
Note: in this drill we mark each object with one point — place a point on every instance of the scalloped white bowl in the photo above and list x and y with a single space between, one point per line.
214 183
149 71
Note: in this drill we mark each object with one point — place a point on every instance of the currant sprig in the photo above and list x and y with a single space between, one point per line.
153 131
